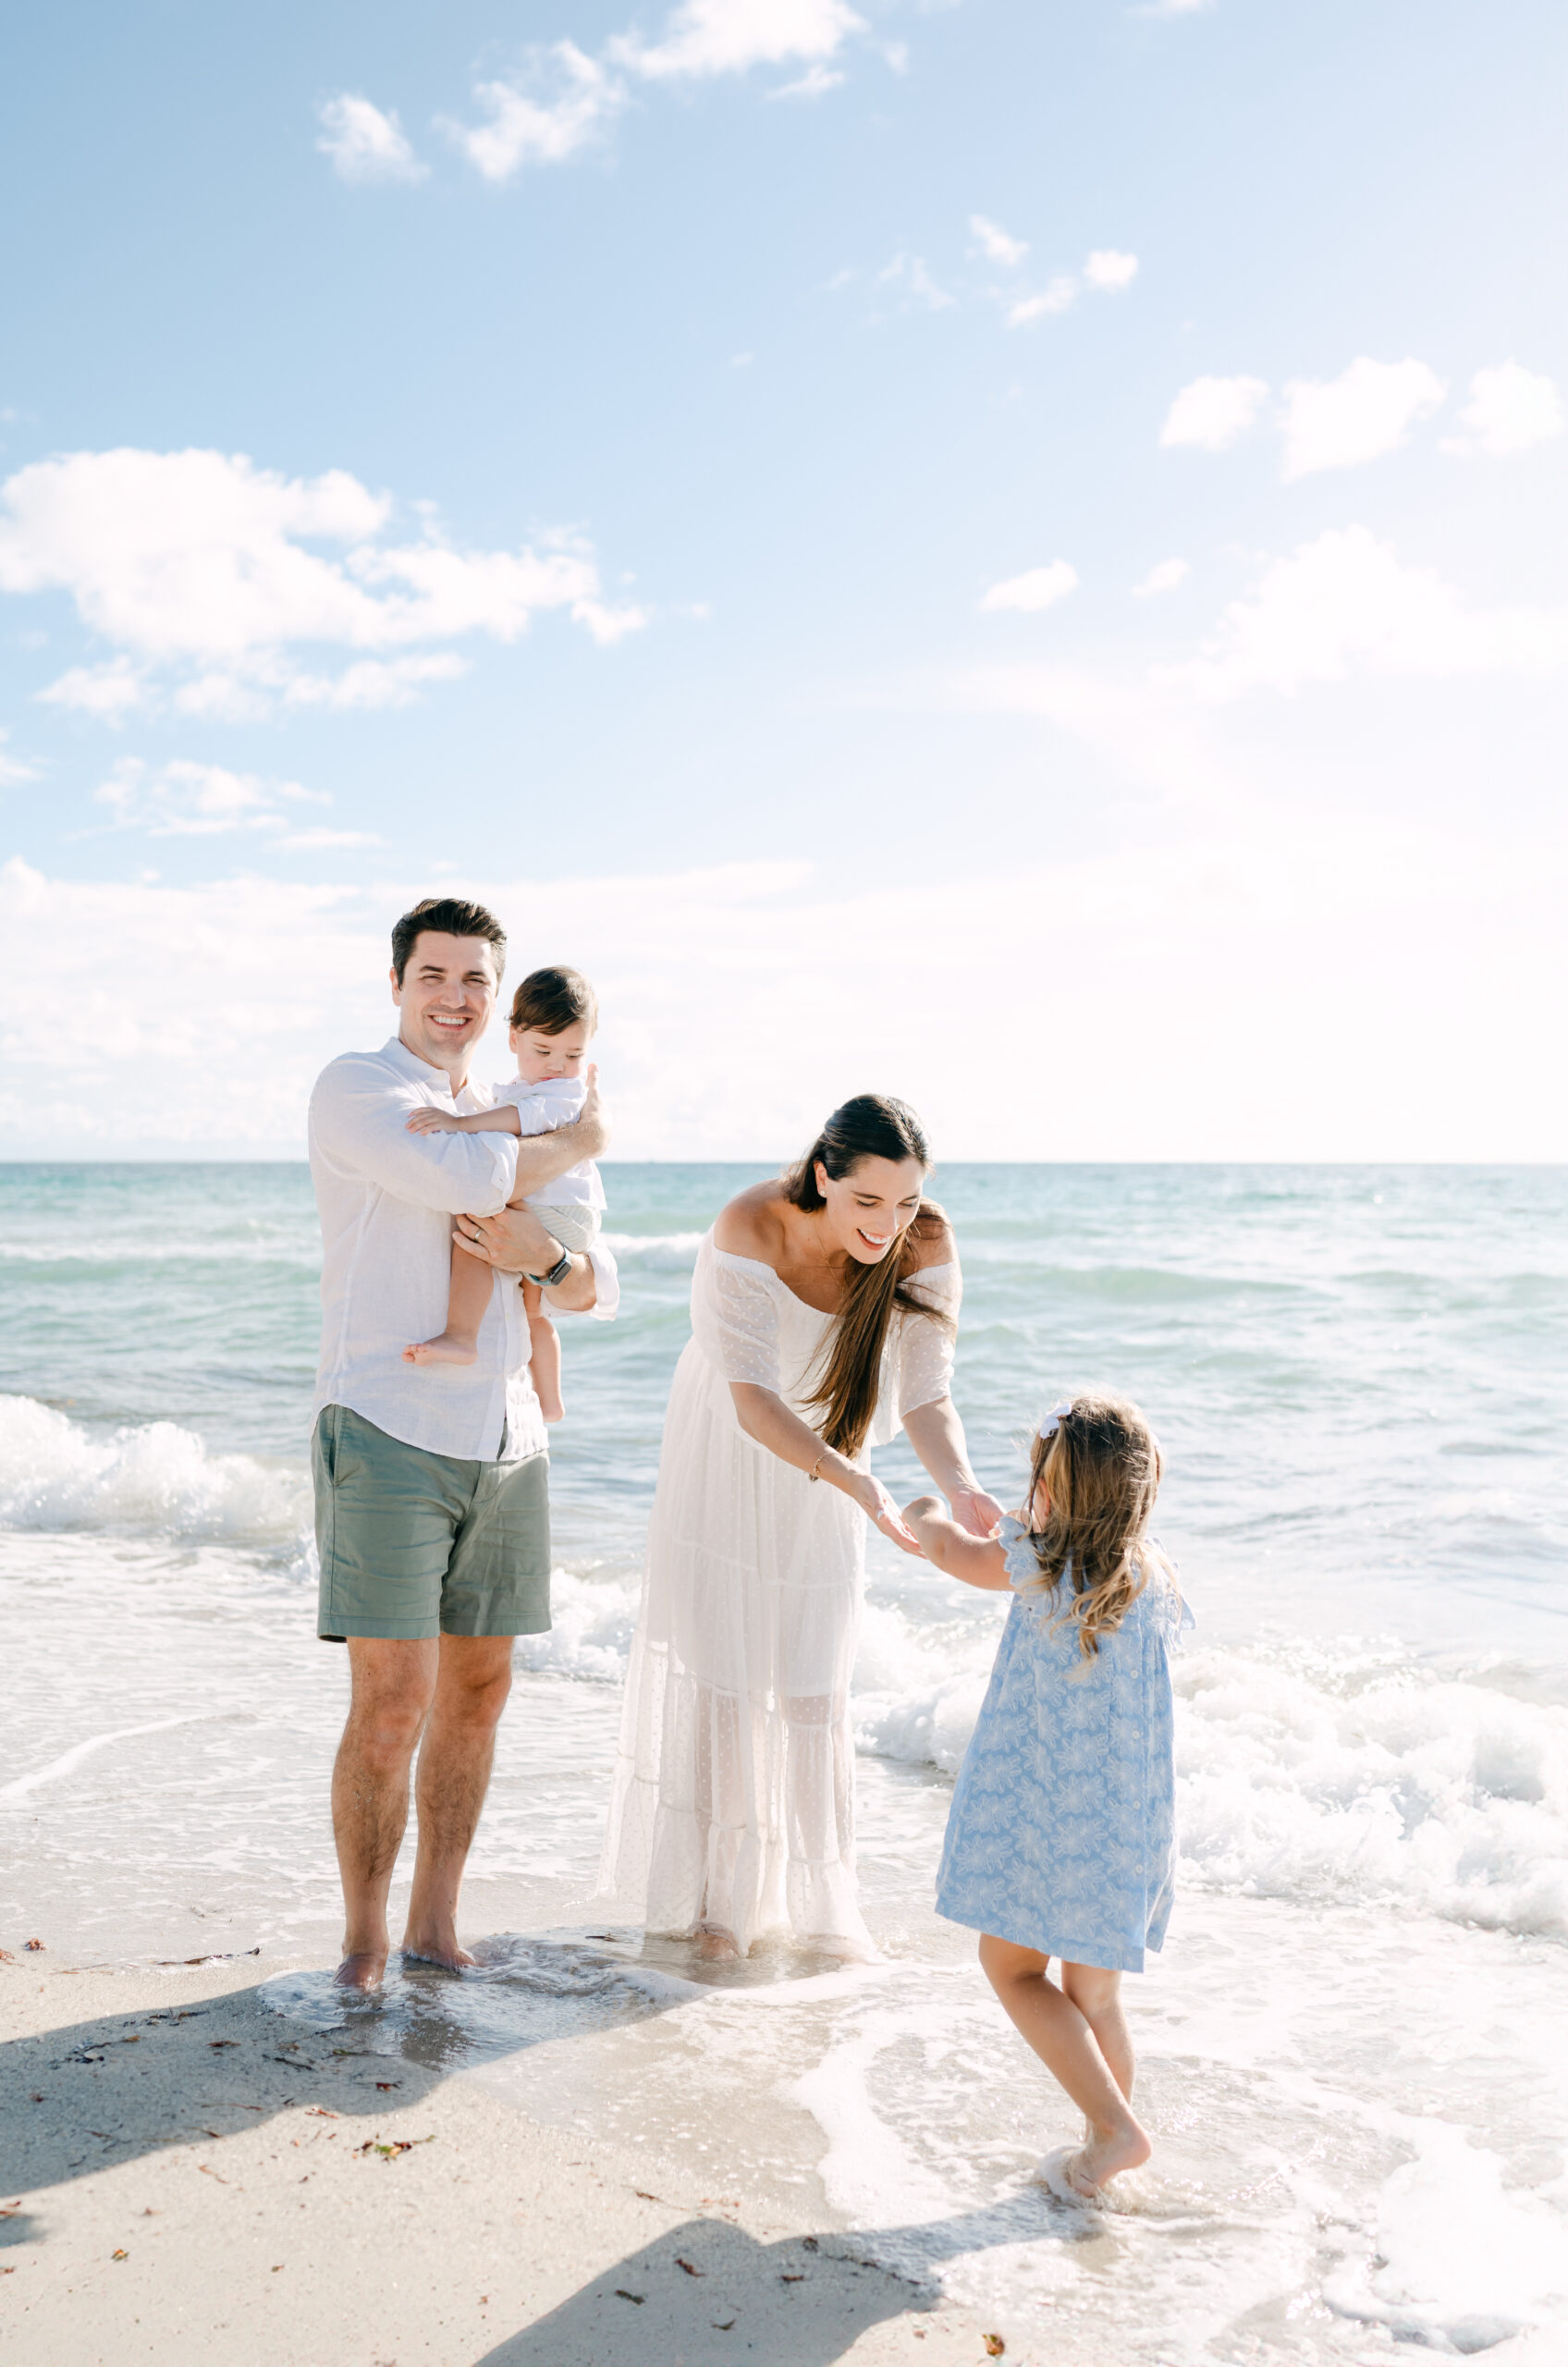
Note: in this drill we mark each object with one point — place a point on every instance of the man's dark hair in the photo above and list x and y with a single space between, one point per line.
447 917
552 1001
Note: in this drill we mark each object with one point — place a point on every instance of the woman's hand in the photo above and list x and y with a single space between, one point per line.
976 1511
883 1514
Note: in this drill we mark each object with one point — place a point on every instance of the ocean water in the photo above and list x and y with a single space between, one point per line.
1354 2053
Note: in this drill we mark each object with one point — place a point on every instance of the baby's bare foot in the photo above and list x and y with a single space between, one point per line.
1105 2158
447 1348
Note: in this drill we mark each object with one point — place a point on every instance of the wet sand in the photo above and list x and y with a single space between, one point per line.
188 2178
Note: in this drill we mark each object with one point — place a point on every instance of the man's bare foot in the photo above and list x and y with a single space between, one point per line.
361 1972
715 1947
447 1348
445 1953
1105 2158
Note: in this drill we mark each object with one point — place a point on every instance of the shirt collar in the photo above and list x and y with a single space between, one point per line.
409 1064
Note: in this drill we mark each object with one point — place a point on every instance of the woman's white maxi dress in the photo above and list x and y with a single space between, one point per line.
733 1805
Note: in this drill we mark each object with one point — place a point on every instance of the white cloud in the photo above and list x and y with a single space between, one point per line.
1346 604
234 993
364 144
568 98
1059 297
1169 574
186 800
996 244
910 276
1511 410
1110 271
1211 412
813 84
202 563
1368 410
1035 589
12 769
706 37
109 691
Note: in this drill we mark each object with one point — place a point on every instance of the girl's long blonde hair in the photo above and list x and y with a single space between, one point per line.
1100 1468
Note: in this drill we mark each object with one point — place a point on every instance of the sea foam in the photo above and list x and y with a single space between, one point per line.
147 1477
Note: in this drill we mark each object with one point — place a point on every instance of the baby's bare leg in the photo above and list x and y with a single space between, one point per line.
467 1295
1056 2025
544 1354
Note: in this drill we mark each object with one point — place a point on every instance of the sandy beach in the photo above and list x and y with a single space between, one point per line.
189 2181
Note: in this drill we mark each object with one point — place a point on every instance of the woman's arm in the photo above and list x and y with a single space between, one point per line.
979 1562
764 1417
936 1435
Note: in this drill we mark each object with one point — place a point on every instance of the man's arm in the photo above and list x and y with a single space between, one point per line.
358 1115
510 1241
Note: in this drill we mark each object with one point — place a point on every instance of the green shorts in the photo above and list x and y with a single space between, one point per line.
414 1544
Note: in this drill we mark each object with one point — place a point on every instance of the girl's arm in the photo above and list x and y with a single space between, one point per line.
502 1120
978 1561
936 1435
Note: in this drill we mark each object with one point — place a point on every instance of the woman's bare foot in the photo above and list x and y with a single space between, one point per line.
361 1972
446 1348
715 1947
1104 2158
431 1950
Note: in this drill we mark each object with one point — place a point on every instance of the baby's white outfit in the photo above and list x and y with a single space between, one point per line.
569 1207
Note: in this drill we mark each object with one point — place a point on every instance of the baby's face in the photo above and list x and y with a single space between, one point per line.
541 1056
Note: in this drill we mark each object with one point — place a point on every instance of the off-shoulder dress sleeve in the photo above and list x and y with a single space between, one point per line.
925 1348
735 1316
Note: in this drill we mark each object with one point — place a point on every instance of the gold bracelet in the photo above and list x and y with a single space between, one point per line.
817 1467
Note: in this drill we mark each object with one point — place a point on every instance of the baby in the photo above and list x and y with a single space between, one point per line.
554 1016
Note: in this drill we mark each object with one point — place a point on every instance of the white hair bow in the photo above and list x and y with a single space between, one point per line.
1055 1418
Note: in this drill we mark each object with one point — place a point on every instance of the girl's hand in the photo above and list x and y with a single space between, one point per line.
976 1511
883 1514
432 1121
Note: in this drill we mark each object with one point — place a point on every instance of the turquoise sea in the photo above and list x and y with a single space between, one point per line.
1359 1378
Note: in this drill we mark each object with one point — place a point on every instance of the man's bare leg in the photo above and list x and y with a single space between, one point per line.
474 1678
393 1685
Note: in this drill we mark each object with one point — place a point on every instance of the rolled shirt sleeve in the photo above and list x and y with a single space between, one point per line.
358 1121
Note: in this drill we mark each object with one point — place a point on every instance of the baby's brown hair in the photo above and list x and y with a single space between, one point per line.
554 1000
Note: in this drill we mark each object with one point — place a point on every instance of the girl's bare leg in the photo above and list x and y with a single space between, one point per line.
543 1355
1064 2038
467 1295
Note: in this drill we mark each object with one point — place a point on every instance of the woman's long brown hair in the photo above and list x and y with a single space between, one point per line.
1101 1468
872 1125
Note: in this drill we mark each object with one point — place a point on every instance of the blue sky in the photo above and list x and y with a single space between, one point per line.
888 534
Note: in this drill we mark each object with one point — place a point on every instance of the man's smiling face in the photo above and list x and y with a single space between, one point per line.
447 997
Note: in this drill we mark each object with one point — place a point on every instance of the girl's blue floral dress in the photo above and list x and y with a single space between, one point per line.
1062 1831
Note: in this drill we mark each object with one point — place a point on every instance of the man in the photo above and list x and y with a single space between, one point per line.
432 1504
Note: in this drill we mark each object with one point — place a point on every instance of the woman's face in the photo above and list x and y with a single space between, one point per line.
869 1207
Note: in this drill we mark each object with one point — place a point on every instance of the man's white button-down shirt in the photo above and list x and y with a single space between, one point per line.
387 1199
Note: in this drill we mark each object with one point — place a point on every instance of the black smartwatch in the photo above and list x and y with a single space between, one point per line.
557 1272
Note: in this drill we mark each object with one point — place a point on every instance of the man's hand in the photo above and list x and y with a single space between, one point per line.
513 1240
430 1121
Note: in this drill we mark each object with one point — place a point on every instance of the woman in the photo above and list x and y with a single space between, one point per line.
823 1314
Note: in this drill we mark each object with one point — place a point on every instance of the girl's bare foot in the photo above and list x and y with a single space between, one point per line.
1105 2158
446 1348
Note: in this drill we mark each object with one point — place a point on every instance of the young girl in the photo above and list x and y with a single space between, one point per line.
553 1019
1060 1839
